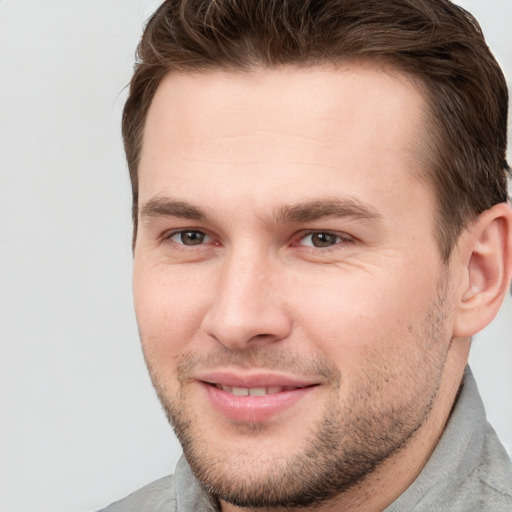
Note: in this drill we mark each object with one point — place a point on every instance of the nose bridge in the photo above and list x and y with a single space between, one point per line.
247 303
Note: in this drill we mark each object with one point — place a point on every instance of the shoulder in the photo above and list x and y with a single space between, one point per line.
469 469
157 496
487 487
494 475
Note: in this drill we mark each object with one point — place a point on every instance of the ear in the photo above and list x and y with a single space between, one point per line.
485 252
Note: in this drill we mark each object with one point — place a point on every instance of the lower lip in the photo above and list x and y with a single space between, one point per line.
253 409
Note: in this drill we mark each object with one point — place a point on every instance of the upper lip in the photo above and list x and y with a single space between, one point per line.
253 380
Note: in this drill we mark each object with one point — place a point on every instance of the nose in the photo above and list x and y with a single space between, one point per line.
248 306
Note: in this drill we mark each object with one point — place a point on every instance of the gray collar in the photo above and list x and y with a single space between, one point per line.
467 445
457 453
190 495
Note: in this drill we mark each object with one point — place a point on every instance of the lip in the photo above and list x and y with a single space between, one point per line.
253 409
253 380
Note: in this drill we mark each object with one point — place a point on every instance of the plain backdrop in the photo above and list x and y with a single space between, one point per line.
79 423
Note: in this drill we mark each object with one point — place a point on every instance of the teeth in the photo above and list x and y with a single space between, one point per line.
270 390
257 391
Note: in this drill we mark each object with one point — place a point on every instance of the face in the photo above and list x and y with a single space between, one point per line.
289 290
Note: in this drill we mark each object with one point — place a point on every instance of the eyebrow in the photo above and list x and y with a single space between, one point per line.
319 209
300 213
165 207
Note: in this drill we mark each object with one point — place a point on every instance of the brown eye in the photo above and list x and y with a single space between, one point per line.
189 237
321 239
324 239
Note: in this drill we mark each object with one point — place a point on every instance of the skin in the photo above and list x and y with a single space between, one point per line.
312 256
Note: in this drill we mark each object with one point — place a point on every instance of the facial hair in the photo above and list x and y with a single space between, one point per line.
350 442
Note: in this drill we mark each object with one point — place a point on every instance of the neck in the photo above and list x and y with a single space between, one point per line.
382 487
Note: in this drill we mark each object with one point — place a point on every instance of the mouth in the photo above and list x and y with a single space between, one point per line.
254 399
255 391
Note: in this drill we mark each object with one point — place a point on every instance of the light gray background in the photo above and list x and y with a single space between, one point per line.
79 425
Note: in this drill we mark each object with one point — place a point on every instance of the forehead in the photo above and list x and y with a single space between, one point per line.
224 102
296 131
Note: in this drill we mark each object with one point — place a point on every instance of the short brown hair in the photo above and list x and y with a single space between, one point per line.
434 41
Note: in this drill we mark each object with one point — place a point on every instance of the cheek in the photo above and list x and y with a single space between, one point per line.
169 313
374 324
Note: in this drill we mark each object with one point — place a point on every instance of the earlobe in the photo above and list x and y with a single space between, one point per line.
486 252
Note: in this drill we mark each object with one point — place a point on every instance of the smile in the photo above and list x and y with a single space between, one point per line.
254 399
257 391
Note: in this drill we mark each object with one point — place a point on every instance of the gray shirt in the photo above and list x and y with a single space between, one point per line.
469 471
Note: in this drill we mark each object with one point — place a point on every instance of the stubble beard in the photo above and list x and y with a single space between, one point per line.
344 448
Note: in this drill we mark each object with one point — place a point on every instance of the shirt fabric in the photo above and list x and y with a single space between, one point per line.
469 471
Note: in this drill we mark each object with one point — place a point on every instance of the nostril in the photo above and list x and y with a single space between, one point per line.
237 323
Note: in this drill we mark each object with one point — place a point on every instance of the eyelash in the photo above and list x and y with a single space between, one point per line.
341 238
167 238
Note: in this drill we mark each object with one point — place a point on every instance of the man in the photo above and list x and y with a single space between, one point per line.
321 226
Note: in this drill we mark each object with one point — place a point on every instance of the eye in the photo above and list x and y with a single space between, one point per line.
189 237
321 239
